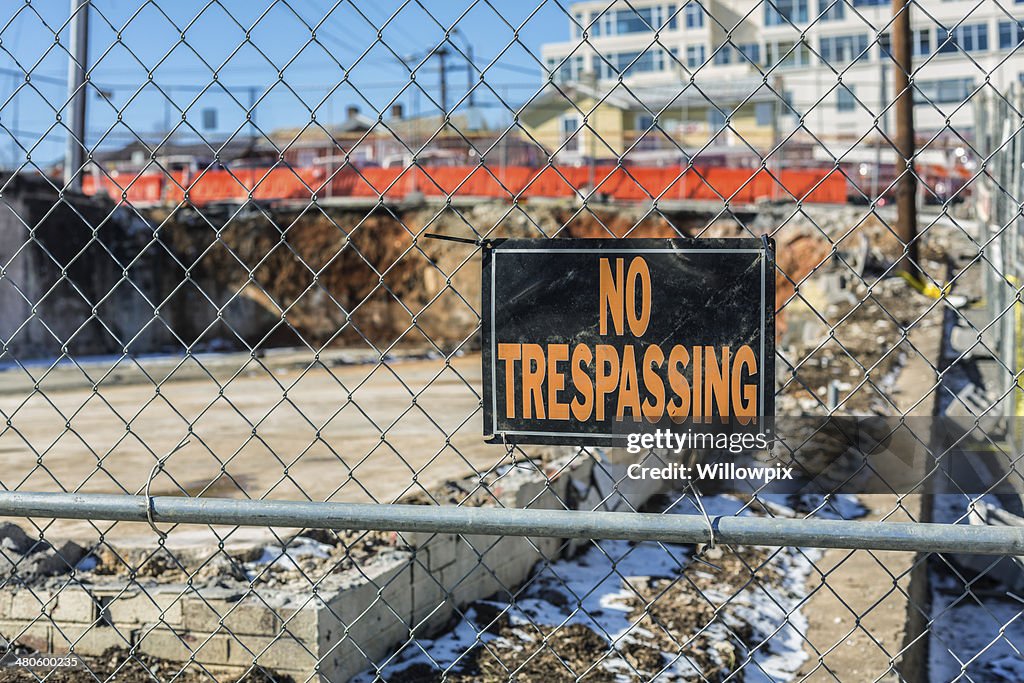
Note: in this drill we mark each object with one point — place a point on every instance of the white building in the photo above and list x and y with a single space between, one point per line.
828 59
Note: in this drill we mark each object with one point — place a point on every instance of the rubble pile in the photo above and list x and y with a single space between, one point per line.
842 332
24 560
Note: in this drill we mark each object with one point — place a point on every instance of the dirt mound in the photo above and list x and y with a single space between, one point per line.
344 276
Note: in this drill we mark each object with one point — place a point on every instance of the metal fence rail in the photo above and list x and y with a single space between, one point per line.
630 526
240 381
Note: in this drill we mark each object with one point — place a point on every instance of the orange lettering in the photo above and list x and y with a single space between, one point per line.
653 358
533 378
638 270
607 370
629 395
557 353
678 358
510 353
611 295
744 408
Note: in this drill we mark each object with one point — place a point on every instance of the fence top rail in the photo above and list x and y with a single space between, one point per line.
633 526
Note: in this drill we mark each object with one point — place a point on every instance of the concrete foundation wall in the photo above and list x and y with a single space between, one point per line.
351 622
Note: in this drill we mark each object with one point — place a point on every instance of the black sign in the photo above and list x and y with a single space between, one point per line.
585 340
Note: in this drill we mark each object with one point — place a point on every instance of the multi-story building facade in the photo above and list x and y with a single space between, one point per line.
827 60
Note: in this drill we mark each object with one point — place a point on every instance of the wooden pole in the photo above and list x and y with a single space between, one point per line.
906 187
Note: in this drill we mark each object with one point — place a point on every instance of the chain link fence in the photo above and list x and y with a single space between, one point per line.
999 220
241 380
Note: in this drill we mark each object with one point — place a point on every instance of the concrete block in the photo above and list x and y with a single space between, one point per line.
370 597
427 593
6 598
282 653
437 552
179 645
432 610
248 616
143 607
371 622
35 635
345 654
542 495
89 640
27 605
76 604
302 621
466 585
435 622
344 661
378 643
513 573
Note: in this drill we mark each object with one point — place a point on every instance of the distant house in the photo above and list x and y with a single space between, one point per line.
395 140
653 124
138 157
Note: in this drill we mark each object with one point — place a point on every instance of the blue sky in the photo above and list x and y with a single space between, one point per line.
279 42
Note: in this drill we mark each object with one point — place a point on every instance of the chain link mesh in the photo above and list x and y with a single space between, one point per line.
232 295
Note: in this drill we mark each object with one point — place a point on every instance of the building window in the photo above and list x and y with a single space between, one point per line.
846 100
1011 33
716 120
843 49
644 122
694 55
569 126
640 20
922 44
694 15
645 19
832 10
779 12
948 91
752 51
565 69
764 113
969 38
788 54
724 55
578 25
628 63
872 3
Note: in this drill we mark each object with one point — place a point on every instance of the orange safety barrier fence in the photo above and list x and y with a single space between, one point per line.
622 183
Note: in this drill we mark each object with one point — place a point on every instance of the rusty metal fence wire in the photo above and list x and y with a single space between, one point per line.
241 391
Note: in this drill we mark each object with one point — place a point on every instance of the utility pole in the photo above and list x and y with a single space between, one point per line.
778 92
15 124
442 53
906 188
469 72
252 119
470 64
78 65
883 88
592 135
